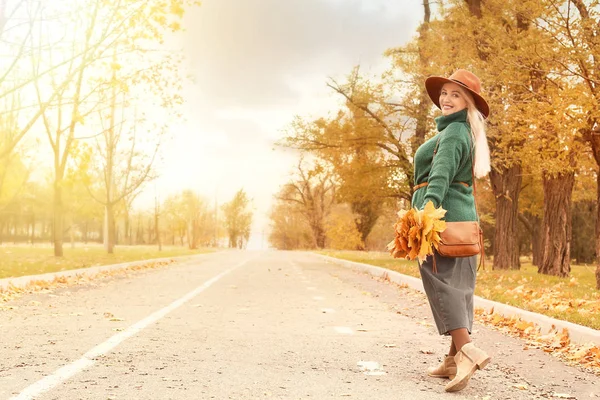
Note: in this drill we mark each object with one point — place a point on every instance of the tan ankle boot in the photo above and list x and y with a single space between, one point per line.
447 369
468 360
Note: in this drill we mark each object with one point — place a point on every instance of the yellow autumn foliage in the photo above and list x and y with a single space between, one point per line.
341 230
417 232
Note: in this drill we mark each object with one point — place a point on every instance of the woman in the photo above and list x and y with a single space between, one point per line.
447 181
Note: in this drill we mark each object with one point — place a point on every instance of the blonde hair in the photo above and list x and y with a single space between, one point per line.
477 122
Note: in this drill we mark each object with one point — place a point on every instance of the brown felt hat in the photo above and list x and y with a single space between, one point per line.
464 78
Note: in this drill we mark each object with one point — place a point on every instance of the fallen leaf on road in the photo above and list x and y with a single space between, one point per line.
563 396
521 386
116 319
554 342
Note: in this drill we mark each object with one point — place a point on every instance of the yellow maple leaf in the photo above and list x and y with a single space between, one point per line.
435 213
417 232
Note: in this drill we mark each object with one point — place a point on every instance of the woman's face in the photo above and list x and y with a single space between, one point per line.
451 99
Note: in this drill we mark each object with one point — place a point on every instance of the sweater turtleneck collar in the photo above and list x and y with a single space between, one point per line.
445 120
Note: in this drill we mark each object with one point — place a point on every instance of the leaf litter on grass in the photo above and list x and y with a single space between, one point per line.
42 286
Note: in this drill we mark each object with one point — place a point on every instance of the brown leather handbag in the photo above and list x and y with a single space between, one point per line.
461 239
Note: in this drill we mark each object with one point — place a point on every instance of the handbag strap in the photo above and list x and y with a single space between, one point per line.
472 172
481 244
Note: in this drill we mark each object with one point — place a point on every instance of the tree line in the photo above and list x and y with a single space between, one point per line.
184 219
88 93
538 61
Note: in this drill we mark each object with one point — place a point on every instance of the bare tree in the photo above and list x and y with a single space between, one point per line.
124 166
313 193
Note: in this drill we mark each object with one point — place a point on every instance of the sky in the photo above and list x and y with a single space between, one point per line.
253 66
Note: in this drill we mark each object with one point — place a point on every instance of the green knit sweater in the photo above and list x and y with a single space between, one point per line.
452 164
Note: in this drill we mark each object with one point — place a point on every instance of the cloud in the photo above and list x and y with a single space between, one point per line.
243 52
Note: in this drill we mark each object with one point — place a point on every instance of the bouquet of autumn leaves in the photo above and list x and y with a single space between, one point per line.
417 232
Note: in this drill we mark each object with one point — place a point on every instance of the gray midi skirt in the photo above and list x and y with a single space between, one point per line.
450 291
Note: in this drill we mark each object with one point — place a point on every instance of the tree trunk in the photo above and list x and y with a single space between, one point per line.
557 224
32 228
110 228
139 236
157 229
320 236
537 241
506 184
318 230
128 235
368 213
533 223
84 234
598 228
57 225
195 234
595 143
72 236
16 229
188 235
474 7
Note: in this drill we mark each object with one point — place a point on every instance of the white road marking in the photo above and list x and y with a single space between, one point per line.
318 298
344 330
370 368
311 288
88 359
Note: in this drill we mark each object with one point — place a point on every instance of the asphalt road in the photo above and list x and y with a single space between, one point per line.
252 325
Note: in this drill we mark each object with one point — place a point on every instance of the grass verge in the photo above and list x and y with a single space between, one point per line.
33 260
